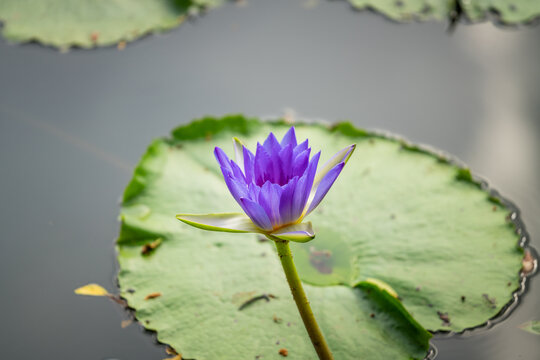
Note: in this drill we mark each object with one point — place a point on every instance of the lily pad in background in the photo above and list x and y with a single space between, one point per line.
506 11
89 23
398 215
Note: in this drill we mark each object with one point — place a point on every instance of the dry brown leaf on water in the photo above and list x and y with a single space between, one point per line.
92 290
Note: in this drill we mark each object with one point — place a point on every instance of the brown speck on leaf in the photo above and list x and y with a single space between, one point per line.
283 352
169 350
152 295
430 305
527 263
289 324
262 239
125 323
494 208
392 216
277 342
418 288
121 45
277 320
444 317
512 7
147 322
372 315
491 301
149 248
208 137
131 291
399 3
509 283
94 37
462 298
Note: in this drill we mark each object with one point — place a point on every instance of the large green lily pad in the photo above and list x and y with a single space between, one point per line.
397 214
89 23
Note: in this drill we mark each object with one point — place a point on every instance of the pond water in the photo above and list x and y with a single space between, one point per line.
72 126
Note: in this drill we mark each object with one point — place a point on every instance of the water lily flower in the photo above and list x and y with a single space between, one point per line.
277 187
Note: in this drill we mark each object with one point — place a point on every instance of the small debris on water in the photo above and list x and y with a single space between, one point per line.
444 317
152 295
125 323
283 352
491 301
527 263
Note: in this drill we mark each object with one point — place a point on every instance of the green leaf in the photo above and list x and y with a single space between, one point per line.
399 215
297 232
531 326
227 222
507 11
89 23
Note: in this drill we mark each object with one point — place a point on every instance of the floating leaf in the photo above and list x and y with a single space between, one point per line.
531 326
89 23
92 290
507 11
400 216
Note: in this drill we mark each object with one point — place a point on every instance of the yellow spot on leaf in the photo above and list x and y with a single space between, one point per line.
92 290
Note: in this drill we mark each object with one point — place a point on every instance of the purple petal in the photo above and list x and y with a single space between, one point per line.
261 165
286 202
257 214
249 160
222 158
271 144
303 188
325 185
289 138
269 198
300 163
237 172
301 147
285 164
237 189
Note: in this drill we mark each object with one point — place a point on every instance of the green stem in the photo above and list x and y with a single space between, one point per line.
315 334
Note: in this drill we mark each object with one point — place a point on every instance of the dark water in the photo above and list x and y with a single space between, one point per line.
73 125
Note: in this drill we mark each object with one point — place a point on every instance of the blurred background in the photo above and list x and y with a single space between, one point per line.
73 126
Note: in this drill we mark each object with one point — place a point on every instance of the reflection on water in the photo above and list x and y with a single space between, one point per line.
88 114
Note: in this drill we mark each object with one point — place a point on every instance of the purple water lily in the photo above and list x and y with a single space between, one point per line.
276 187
